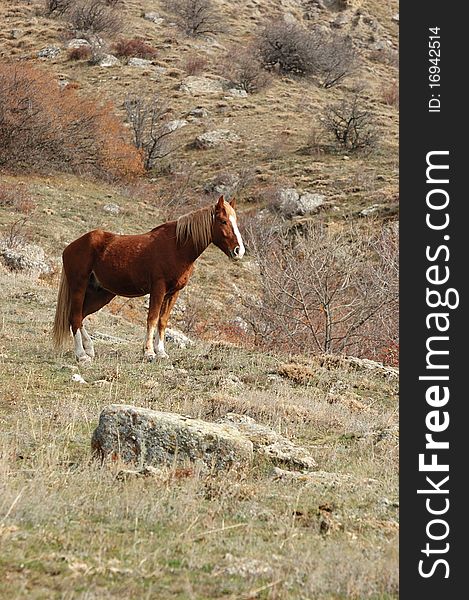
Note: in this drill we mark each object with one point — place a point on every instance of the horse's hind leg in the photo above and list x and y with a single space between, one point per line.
95 298
156 300
166 308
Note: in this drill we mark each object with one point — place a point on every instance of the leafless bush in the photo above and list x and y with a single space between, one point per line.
351 123
243 67
195 17
292 49
194 64
17 198
133 48
390 93
149 120
336 59
325 291
94 17
287 47
56 8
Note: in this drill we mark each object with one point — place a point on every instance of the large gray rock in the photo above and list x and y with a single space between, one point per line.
292 203
196 84
148 437
20 256
270 444
218 137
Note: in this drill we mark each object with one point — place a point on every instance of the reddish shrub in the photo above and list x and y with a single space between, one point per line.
195 64
133 48
16 197
80 53
44 127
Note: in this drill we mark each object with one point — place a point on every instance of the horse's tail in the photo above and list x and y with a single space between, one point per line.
61 330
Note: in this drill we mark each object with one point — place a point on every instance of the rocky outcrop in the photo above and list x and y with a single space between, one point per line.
290 202
20 256
148 437
143 436
195 84
271 444
218 137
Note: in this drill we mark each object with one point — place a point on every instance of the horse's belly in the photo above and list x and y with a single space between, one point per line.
121 284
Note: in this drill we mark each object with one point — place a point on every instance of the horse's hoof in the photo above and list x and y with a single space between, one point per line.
84 361
150 357
163 355
90 353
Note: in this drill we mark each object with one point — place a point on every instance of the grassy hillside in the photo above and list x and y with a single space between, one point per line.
70 528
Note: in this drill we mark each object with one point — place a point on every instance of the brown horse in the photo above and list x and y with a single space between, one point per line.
100 265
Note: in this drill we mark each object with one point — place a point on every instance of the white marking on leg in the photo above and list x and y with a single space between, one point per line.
149 351
237 233
79 350
87 342
160 351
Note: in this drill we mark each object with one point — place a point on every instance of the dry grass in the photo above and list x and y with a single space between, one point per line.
67 524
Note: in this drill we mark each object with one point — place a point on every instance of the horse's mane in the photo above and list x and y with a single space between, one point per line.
196 226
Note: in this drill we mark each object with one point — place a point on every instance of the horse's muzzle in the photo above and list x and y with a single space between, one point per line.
236 253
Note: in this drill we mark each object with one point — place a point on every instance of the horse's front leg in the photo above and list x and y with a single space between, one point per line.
166 308
156 300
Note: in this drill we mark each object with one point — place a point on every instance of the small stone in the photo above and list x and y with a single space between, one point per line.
154 17
178 338
112 208
199 113
176 124
78 43
237 93
139 62
49 52
108 60
218 137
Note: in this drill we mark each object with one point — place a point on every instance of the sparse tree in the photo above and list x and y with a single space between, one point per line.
195 17
149 119
351 123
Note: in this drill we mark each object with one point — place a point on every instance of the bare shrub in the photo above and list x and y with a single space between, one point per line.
195 17
94 17
56 8
336 59
46 128
126 48
149 121
292 49
324 291
194 64
390 93
80 53
351 123
287 47
17 197
243 67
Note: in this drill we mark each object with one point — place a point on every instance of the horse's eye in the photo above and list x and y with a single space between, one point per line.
223 222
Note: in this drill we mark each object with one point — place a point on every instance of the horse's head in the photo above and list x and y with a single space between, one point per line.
225 232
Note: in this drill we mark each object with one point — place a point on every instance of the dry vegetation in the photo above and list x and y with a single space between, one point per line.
76 136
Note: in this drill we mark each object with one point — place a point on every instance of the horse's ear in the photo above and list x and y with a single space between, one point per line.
220 202
233 203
